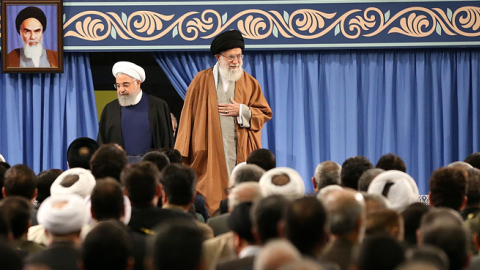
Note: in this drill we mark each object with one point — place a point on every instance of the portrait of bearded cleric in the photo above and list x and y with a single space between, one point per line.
32 42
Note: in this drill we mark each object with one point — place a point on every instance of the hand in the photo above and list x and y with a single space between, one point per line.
226 109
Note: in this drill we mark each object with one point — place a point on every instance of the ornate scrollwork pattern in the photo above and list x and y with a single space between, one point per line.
257 24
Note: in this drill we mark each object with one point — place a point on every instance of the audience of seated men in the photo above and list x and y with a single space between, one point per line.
142 185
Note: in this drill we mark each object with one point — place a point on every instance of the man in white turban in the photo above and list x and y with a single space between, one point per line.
136 121
282 181
63 217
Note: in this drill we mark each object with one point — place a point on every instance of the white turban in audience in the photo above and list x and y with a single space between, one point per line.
294 189
398 187
2 159
130 69
62 214
83 186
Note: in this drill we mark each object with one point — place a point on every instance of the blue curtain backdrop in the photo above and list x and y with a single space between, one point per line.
41 114
422 105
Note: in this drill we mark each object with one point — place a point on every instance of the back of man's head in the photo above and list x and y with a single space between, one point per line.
391 162
20 181
374 202
266 214
428 254
244 192
107 200
179 183
45 180
178 245
367 177
107 246
80 152
240 223
3 169
247 173
460 164
17 212
173 155
263 158
385 221
412 215
443 228
380 252
474 160
141 181
158 158
327 173
448 188
305 221
108 160
352 169
473 187
346 212
275 254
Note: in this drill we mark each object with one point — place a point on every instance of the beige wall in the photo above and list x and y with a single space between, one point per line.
102 98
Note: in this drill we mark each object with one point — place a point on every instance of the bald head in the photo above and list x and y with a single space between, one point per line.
344 210
244 192
275 254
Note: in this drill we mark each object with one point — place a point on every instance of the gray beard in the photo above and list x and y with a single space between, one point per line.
127 100
231 75
33 51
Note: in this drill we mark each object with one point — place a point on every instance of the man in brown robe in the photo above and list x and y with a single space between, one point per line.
222 118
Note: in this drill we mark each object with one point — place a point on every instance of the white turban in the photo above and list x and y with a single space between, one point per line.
129 68
62 214
403 190
294 189
2 159
83 187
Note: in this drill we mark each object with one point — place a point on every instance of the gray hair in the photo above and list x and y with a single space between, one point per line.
380 200
367 177
244 192
275 254
247 173
328 173
344 208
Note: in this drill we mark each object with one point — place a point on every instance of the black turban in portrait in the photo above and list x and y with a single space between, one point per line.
31 12
226 41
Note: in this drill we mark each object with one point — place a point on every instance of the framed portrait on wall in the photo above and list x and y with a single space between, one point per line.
32 36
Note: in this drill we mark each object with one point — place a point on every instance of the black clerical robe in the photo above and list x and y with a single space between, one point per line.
110 130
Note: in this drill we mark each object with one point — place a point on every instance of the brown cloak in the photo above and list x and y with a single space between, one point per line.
199 138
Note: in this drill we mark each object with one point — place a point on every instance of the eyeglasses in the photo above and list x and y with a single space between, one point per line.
231 57
125 85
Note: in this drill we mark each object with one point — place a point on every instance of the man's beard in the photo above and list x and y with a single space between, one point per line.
33 51
230 74
128 100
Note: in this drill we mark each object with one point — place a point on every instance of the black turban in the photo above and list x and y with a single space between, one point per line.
226 41
82 160
31 12
239 221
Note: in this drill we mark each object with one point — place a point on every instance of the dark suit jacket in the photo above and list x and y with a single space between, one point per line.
341 252
237 264
58 256
145 218
219 224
